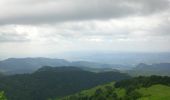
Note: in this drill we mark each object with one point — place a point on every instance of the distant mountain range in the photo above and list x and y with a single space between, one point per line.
122 58
153 69
29 65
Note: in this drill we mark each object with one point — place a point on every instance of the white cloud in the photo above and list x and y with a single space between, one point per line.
35 27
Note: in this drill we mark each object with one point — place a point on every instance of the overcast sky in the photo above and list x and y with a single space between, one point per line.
46 27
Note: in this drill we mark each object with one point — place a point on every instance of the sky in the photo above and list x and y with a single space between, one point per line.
51 27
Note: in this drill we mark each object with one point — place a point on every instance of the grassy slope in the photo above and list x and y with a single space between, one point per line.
90 92
155 92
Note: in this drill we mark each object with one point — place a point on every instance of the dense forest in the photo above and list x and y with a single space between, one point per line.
82 83
49 82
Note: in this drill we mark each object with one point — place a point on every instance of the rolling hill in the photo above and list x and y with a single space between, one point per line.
49 82
140 88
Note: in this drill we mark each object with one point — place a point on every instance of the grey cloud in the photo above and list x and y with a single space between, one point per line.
52 11
84 30
163 28
12 37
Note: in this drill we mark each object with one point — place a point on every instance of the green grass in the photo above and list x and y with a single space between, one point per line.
120 92
91 91
155 92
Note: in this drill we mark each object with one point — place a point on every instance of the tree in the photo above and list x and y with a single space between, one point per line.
98 92
2 96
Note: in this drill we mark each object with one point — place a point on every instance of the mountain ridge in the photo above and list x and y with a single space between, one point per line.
162 69
29 65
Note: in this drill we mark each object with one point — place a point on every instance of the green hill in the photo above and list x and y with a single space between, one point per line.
90 94
49 82
155 92
140 88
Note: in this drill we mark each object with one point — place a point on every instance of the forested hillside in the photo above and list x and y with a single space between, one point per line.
140 88
49 82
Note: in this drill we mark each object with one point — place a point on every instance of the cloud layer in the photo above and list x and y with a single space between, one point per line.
51 11
51 26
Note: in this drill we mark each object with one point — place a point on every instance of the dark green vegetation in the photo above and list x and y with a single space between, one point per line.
101 92
58 82
162 69
49 82
140 88
131 86
143 81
